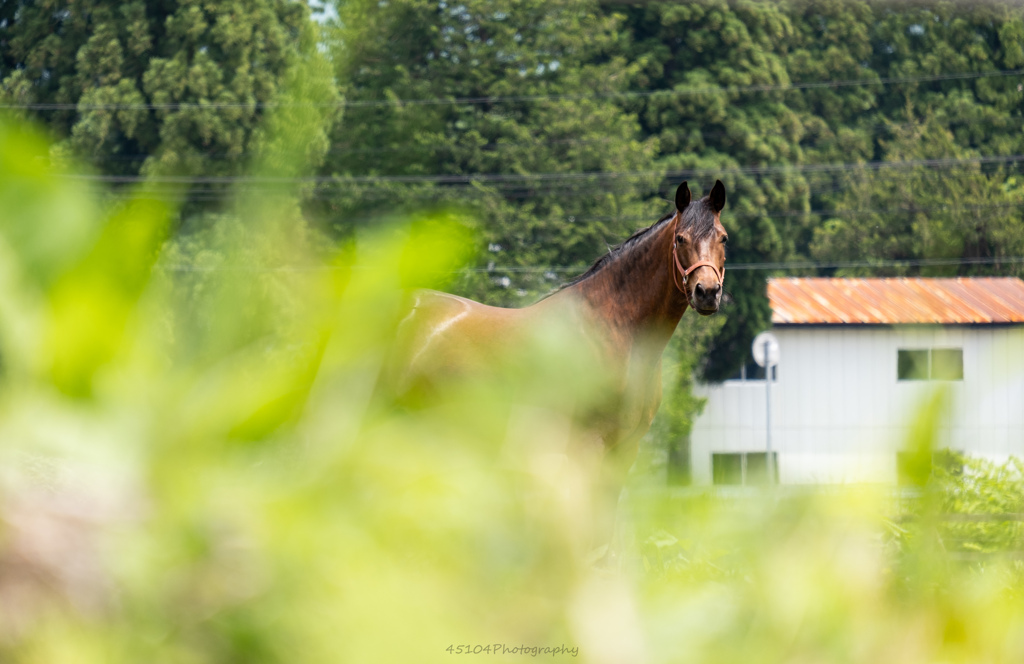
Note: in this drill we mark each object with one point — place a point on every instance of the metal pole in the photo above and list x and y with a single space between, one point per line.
768 413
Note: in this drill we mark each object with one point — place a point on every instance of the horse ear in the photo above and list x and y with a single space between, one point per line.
717 197
682 197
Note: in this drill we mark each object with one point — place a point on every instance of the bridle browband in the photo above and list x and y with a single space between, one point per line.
679 270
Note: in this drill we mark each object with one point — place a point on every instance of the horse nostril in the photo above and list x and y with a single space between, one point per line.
699 291
713 291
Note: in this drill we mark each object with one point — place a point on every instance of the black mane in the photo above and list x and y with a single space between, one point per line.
697 216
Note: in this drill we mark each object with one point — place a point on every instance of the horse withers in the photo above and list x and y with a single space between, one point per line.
620 314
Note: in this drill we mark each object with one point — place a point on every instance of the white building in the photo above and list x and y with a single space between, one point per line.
859 358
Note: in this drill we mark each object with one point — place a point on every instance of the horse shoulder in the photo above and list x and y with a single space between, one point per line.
448 334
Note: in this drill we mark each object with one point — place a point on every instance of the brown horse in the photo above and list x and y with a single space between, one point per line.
625 308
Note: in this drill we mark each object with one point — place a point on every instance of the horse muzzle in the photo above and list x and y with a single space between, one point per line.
706 298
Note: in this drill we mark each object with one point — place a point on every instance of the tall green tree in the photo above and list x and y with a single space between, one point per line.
921 213
698 61
744 87
151 86
509 102
948 196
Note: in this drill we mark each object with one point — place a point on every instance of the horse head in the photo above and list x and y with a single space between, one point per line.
698 248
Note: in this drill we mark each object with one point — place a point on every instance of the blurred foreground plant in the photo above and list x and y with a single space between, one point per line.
197 465
193 469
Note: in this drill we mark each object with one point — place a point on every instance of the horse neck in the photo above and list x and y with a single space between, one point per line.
635 294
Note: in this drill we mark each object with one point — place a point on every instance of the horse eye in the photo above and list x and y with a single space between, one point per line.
725 239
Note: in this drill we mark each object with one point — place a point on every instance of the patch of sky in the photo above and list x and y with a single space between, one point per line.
916 29
322 11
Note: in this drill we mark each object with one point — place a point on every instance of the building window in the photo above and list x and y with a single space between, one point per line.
743 468
912 364
947 364
930 364
751 371
727 468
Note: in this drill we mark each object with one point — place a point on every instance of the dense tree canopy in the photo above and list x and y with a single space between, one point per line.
846 132
694 57
150 86
503 106
796 103
948 191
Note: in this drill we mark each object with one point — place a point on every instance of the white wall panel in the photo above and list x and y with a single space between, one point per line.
839 404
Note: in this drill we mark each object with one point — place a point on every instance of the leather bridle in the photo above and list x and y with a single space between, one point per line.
679 270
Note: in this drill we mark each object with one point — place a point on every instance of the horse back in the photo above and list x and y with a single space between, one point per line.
447 336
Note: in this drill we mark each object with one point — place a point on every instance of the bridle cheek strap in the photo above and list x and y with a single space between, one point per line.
686 272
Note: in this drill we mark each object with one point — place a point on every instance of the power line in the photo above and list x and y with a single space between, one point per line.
543 177
684 92
874 128
190 184
820 212
458 101
917 262
561 269
791 265
222 194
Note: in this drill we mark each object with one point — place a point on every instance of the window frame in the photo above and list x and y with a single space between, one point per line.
746 478
944 350
929 364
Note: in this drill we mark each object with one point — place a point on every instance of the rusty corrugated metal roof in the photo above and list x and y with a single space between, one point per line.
971 300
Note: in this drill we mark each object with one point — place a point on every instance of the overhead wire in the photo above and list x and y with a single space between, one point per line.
569 193
554 269
493 99
341 148
540 177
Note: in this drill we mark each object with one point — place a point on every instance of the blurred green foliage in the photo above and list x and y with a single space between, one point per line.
196 463
152 87
197 466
